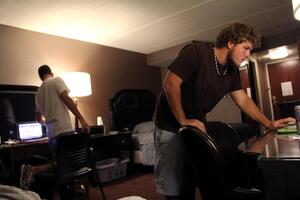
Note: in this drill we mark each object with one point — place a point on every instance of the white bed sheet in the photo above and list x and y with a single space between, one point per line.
143 143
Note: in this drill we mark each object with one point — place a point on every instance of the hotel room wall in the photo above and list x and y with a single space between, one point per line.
298 44
282 72
111 69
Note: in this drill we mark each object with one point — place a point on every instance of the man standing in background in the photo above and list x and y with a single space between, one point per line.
52 107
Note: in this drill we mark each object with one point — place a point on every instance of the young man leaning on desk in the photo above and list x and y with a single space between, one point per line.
195 82
52 105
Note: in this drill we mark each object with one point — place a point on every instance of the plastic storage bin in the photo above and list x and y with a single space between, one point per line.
111 169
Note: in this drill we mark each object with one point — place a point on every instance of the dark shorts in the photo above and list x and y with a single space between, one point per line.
53 144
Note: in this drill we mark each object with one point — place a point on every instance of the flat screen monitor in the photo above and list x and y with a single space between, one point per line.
17 104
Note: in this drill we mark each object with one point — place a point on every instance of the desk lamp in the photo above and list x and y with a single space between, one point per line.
79 84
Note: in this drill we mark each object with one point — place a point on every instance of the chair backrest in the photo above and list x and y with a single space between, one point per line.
215 158
245 131
72 153
75 159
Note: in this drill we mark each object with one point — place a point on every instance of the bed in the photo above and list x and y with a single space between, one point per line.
132 110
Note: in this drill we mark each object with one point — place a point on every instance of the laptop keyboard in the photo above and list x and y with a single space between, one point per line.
35 140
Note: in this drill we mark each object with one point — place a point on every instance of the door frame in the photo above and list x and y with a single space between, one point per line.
266 65
255 85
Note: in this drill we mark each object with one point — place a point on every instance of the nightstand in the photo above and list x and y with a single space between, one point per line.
110 145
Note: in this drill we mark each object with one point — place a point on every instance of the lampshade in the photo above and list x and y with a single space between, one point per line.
79 83
296 9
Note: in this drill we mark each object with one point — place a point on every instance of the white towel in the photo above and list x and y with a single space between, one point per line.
132 198
13 193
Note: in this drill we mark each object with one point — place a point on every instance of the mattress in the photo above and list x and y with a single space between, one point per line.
132 110
143 144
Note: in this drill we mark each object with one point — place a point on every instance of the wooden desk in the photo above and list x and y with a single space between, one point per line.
106 145
13 155
256 145
279 159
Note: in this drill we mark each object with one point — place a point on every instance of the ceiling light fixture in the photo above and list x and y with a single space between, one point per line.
296 9
277 53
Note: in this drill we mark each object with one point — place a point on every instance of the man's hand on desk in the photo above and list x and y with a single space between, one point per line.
85 125
280 123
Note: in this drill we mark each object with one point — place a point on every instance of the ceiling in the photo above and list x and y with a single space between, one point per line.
145 26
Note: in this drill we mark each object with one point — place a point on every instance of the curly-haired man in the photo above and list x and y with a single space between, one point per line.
197 79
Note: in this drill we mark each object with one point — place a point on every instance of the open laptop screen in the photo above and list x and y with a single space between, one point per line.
29 130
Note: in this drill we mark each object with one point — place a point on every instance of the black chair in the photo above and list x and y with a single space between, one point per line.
219 170
74 161
245 131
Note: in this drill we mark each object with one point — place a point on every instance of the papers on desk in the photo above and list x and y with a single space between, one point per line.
289 132
10 142
287 129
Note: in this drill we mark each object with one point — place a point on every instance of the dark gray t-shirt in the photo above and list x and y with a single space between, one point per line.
202 87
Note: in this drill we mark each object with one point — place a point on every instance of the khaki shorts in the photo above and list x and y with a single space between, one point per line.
173 170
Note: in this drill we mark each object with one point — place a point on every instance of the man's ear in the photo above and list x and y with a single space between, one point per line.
230 45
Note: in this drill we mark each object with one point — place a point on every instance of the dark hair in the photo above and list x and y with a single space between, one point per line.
236 33
44 70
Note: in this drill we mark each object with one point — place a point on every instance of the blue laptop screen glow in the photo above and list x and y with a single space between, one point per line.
29 130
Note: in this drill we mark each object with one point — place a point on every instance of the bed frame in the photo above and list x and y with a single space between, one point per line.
130 107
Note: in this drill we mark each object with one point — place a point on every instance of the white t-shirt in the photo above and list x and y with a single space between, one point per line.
49 103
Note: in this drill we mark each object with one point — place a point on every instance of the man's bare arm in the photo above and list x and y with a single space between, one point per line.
248 106
172 89
39 117
72 107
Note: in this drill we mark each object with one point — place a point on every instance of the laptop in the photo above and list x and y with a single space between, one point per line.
30 132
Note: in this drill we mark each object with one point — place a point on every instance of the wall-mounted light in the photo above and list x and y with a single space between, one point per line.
277 53
296 9
79 84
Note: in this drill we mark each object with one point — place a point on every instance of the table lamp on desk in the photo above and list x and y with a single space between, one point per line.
79 84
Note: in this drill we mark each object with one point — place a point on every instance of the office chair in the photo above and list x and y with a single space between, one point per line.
74 161
218 169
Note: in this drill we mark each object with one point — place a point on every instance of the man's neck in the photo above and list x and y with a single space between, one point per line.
221 54
47 77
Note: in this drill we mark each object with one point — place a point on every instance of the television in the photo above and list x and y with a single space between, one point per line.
17 104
